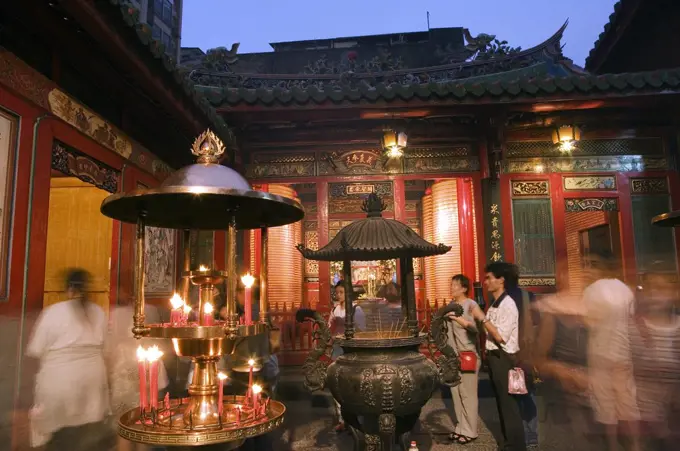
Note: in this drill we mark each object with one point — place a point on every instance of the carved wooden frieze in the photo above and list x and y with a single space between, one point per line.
591 204
590 183
649 185
587 164
282 165
530 188
429 160
68 161
537 282
311 225
351 162
593 147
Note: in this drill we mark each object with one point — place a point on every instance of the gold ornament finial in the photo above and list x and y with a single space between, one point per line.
207 147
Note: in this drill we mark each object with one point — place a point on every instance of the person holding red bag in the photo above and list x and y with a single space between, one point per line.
463 337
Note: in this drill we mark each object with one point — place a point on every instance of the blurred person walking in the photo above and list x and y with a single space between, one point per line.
71 399
655 341
502 354
609 305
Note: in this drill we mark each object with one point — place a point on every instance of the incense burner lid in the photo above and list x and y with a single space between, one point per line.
375 238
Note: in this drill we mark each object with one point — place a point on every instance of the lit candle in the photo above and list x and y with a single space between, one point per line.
220 392
186 310
203 268
141 363
248 282
256 398
176 313
251 363
153 354
208 319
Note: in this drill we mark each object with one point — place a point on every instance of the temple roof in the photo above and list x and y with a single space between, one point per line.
374 238
123 11
345 69
622 9
530 83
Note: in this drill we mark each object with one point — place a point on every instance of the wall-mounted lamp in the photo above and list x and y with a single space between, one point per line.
566 137
394 143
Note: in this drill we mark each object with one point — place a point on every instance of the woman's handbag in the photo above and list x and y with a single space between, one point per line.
516 382
468 361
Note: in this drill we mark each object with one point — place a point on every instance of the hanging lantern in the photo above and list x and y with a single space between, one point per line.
394 142
566 136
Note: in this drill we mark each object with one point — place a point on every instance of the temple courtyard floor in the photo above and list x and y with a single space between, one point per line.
309 422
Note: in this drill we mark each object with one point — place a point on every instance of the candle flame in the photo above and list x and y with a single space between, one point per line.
256 389
251 362
248 280
221 376
203 268
208 308
141 354
176 301
187 309
153 354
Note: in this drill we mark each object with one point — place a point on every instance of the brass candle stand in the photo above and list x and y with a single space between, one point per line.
202 196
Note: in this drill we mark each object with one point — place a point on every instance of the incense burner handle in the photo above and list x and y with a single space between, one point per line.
314 368
448 362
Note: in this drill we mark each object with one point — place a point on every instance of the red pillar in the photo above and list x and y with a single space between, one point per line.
399 191
324 267
465 227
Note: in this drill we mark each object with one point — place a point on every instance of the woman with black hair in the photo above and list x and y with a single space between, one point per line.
71 390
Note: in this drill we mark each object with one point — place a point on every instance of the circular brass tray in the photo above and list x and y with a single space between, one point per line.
202 332
176 433
202 208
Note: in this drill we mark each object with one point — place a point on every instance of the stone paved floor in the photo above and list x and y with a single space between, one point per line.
309 422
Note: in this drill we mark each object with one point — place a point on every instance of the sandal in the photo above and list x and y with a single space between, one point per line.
454 437
463 440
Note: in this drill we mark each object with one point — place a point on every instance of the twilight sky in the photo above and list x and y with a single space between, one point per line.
256 23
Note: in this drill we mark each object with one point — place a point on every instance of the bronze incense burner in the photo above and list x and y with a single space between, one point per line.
382 380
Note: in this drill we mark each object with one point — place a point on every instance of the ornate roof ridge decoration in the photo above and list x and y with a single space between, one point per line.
130 15
485 63
467 90
374 238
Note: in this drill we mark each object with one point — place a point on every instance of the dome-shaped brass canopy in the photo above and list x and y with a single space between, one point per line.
374 238
203 196
671 219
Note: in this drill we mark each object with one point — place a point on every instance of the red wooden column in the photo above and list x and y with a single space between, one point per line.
220 250
399 193
257 237
324 267
466 227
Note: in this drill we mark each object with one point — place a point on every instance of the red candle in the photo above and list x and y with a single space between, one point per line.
152 355
220 392
238 416
186 310
208 318
251 363
141 363
248 281
256 399
166 401
176 313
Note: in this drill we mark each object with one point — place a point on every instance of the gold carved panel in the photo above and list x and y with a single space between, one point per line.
590 183
530 188
655 185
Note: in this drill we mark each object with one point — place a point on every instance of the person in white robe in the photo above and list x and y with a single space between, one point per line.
71 397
